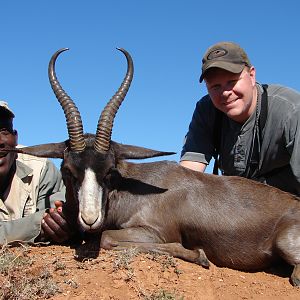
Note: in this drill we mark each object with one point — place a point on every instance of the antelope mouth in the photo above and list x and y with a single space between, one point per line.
91 227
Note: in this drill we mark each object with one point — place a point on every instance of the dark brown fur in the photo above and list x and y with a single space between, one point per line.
163 207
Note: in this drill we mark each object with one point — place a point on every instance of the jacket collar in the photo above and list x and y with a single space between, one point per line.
22 170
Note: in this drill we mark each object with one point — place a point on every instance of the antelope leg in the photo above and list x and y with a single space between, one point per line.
136 238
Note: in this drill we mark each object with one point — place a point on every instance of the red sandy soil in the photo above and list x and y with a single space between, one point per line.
111 276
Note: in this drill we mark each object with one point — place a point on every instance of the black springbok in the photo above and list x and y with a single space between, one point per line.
161 206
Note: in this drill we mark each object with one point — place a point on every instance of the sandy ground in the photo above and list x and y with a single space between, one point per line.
128 275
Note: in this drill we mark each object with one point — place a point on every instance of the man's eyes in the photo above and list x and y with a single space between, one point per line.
230 84
233 82
215 88
4 131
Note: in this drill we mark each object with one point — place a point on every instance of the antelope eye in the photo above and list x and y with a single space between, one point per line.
112 178
107 178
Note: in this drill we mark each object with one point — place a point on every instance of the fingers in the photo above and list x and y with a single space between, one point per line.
50 234
59 219
59 207
58 203
55 227
67 211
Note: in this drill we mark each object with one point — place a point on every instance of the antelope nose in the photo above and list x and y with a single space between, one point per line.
89 219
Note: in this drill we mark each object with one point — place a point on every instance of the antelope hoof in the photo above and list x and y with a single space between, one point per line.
202 259
295 282
295 278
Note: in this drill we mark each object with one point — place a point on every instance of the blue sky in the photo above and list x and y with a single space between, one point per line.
166 38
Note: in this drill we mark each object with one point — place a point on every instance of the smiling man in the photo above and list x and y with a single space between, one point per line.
29 187
253 129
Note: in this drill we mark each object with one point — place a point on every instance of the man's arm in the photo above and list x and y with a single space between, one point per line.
25 229
46 224
54 227
193 165
51 187
198 147
293 145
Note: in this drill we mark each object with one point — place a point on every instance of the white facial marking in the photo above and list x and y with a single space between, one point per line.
90 199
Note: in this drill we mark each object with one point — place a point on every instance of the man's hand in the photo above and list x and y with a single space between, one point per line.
55 226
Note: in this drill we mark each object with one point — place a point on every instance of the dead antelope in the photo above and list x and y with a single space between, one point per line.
163 207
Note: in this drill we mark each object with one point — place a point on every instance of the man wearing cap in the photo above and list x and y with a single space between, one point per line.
29 186
254 129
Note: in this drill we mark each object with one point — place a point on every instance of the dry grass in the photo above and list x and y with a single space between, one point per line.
163 295
123 260
17 282
166 261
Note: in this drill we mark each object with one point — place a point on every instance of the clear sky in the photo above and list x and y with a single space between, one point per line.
166 38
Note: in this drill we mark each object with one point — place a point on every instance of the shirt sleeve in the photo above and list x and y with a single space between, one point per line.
23 230
51 187
198 143
26 229
293 143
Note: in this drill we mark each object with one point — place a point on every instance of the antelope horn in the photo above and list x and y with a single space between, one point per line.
73 119
105 123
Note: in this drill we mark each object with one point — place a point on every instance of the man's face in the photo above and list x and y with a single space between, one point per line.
8 139
233 94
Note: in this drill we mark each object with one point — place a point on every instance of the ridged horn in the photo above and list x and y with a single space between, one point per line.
105 123
73 119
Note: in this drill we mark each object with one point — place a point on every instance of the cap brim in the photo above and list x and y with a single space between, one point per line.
228 66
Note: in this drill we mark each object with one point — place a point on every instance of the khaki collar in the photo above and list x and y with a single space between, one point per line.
22 170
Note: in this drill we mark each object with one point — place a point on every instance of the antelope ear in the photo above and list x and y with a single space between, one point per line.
53 150
134 152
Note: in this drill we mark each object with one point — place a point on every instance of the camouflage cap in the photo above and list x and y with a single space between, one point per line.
5 110
225 55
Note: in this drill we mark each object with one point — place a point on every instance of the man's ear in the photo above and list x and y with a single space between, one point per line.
16 137
252 73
